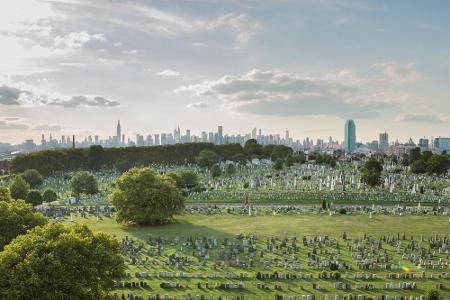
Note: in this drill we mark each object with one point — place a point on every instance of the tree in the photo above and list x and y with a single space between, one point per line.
438 164
240 158
280 151
216 171
32 177
289 161
207 158
299 158
371 172
278 165
19 188
252 148
419 166
49 195
141 197
16 217
34 197
60 262
190 179
230 169
414 155
96 156
124 166
5 195
84 182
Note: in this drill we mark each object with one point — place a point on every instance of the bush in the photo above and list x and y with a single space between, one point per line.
49 195
342 211
34 197
84 182
19 188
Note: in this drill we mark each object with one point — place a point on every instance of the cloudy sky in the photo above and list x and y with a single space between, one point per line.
76 66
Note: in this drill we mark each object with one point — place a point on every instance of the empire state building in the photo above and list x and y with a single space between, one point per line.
119 133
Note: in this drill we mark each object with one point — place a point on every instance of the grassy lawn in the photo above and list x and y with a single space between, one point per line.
228 226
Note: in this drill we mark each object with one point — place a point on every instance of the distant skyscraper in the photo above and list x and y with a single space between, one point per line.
220 134
383 143
254 133
350 136
118 132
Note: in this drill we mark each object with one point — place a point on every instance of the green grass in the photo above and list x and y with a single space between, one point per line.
228 226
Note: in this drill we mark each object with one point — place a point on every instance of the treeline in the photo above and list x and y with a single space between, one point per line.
427 162
60 160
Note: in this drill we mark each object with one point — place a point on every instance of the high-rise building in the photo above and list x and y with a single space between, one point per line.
441 144
423 143
220 134
254 133
118 132
383 142
350 136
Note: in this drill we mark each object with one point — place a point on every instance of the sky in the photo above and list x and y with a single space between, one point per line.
77 66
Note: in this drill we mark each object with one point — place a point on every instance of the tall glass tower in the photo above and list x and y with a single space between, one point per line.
350 136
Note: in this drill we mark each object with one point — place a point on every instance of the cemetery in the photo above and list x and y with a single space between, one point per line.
282 256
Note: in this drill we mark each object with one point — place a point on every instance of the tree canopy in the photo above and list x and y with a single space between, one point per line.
207 158
34 197
5 195
144 198
49 195
60 262
371 172
32 177
84 182
16 217
19 188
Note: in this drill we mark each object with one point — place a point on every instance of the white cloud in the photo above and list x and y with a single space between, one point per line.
423 118
198 105
400 73
279 93
168 73
18 93
19 124
77 39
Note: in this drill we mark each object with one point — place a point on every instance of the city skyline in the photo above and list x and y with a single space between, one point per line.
68 67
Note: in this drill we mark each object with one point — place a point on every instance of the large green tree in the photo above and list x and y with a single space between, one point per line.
19 188
207 158
16 217
371 172
142 197
60 262
32 177
84 182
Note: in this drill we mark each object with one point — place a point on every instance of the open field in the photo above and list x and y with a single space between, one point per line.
174 238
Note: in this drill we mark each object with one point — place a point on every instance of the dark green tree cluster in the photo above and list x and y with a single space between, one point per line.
427 162
186 181
323 159
50 161
142 197
371 172
61 160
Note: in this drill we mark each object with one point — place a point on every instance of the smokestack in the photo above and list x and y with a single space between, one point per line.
73 141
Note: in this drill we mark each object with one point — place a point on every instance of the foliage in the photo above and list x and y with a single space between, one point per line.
371 172
19 188
289 161
278 165
124 166
427 162
252 149
84 182
5 195
32 177
299 158
216 171
142 197
280 151
230 169
34 197
49 195
207 158
16 217
60 262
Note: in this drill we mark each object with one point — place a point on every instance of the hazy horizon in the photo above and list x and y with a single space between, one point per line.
76 67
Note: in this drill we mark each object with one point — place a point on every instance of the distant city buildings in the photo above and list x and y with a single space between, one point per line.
349 145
